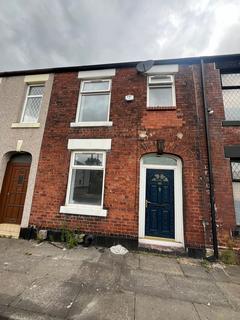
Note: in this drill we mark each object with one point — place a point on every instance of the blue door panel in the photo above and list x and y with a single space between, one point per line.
160 203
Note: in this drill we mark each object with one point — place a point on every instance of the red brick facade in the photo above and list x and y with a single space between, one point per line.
220 137
184 134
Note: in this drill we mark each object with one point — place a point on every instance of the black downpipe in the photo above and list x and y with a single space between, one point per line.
210 171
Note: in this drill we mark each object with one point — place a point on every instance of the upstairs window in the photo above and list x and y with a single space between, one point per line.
231 95
161 91
94 101
235 166
32 104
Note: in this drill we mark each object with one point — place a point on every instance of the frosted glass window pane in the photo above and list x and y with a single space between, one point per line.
86 187
160 97
88 159
235 170
236 196
231 79
94 107
159 160
231 100
36 90
95 86
32 109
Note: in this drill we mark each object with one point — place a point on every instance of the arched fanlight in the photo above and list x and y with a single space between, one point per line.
153 158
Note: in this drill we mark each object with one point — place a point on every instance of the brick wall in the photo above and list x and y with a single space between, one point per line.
220 137
183 132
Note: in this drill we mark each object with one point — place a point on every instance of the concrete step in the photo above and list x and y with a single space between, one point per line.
9 230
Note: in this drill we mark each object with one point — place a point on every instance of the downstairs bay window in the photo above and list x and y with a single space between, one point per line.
86 184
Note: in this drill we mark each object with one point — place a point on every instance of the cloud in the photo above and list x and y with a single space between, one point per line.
43 33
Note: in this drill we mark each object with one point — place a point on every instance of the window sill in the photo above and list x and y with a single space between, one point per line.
91 124
25 125
162 108
231 123
84 210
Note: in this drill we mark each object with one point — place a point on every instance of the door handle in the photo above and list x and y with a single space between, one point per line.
156 204
146 203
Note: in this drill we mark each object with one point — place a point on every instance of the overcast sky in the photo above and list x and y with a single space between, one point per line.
49 33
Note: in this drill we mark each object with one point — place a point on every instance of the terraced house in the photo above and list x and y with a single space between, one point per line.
147 152
24 101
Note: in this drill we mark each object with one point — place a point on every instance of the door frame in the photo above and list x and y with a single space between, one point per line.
178 205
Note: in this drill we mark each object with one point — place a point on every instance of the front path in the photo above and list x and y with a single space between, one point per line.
41 281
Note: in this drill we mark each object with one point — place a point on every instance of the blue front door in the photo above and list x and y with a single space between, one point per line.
159 203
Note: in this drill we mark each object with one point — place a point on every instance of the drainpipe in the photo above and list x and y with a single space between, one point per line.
210 171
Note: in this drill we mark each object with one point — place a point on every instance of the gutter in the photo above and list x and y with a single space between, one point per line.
210 170
186 61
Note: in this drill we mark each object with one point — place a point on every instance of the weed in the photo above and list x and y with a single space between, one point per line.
229 256
70 238
205 264
39 238
51 238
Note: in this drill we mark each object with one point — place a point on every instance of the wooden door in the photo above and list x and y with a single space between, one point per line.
14 192
160 203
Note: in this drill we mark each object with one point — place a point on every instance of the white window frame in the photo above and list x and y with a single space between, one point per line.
78 122
226 88
161 84
83 209
31 96
236 160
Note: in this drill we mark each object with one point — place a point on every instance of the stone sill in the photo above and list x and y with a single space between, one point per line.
91 124
23 125
84 210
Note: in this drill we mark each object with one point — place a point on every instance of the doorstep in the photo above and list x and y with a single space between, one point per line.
160 244
9 230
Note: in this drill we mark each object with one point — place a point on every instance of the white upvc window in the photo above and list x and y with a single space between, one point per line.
32 104
235 166
231 95
85 189
161 91
94 101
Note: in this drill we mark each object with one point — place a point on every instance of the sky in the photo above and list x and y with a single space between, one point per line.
52 33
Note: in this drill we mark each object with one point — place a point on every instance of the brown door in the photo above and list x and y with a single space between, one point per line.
14 192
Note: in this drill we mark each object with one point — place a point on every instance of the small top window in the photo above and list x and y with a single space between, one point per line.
88 159
94 101
231 95
95 86
230 79
161 91
32 104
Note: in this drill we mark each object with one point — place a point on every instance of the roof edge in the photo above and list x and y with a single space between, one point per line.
188 60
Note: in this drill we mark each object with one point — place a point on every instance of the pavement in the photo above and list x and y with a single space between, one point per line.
42 281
